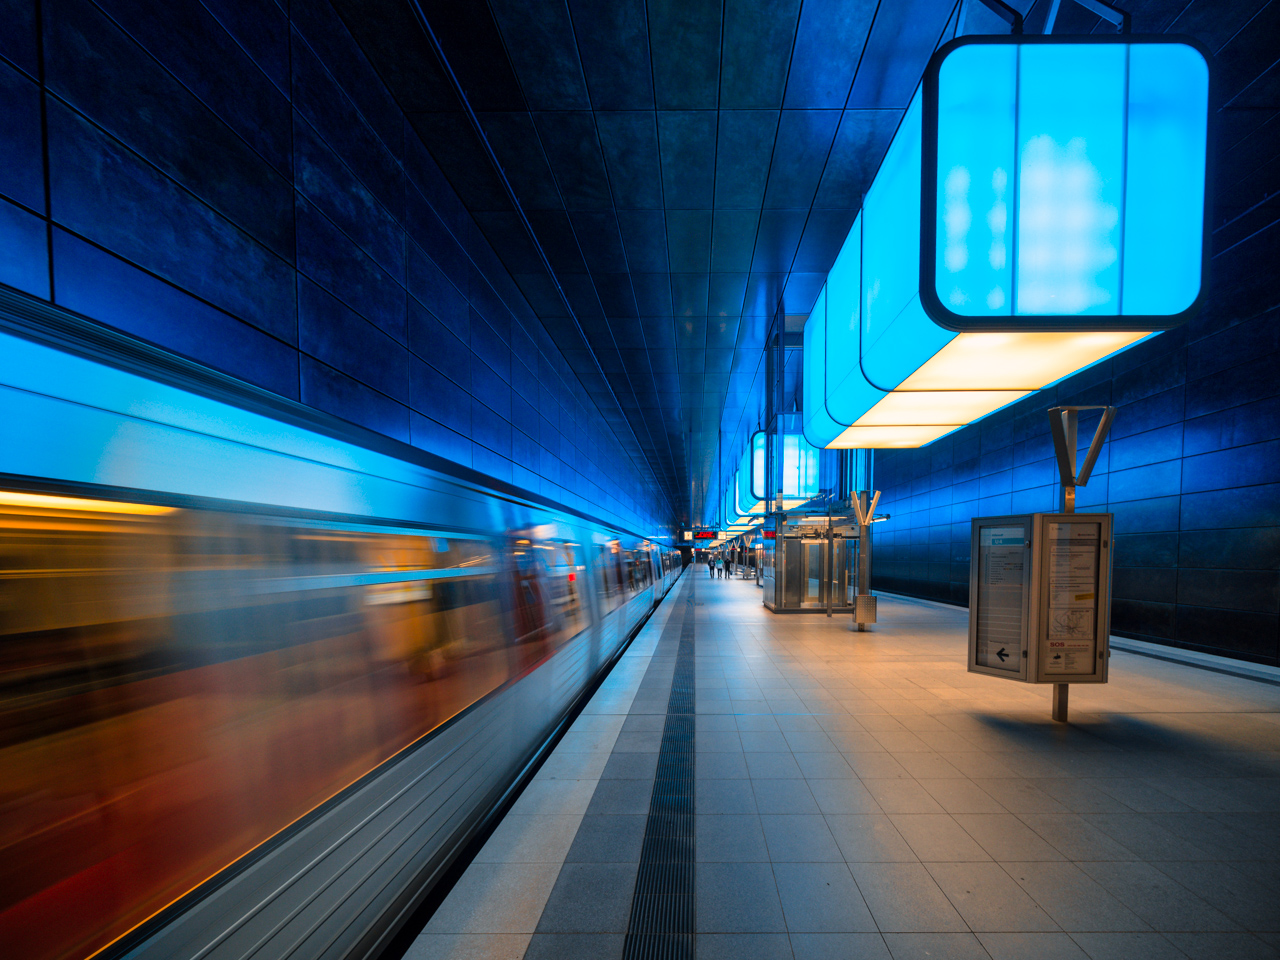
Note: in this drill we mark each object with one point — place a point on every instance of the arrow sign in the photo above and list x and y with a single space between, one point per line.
1002 655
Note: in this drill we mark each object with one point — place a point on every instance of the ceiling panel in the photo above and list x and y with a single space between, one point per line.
685 167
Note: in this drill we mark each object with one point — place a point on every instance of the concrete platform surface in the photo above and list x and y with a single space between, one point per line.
859 795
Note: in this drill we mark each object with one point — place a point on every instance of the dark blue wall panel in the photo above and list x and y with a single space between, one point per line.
1196 500
24 240
237 185
21 175
96 283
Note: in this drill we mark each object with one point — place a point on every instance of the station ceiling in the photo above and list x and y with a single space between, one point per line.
660 178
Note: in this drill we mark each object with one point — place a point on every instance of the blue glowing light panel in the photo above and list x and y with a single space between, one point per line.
800 463
819 428
844 316
897 336
1070 180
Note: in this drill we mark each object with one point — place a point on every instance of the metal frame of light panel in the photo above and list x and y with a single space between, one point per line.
747 502
934 307
757 476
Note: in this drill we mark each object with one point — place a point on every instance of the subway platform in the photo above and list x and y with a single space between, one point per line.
859 795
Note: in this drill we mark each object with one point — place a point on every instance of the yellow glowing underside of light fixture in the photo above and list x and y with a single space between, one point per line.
972 376
787 504
902 435
1021 360
937 407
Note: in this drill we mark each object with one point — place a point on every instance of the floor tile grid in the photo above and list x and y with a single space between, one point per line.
769 680
661 924
588 910
494 909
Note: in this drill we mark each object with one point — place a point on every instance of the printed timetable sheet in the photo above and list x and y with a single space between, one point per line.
1071 640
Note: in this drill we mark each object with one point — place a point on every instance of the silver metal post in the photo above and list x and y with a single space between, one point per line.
1063 427
1060 692
864 552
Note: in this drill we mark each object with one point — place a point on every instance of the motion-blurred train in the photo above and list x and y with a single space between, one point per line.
262 674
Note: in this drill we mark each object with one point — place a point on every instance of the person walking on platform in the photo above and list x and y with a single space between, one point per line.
719 566
711 564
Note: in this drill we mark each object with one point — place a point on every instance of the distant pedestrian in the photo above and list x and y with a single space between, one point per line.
719 567
711 565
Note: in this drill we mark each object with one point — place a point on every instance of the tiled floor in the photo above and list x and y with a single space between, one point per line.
861 795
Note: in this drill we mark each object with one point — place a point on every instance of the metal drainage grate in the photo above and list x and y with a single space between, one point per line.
662 909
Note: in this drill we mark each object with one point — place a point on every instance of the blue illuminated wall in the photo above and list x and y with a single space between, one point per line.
236 184
1192 471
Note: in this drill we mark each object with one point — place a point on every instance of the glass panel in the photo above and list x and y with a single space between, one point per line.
792 572
1002 582
813 572
1070 178
1164 193
976 100
800 463
1071 640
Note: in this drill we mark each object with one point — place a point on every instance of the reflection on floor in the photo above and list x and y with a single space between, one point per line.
861 795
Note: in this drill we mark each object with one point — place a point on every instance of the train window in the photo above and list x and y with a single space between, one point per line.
613 577
567 583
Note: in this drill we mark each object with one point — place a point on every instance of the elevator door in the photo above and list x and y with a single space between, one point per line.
814 590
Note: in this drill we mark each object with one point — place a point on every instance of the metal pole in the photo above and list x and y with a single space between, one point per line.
1060 692
864 553
1070 422
829 573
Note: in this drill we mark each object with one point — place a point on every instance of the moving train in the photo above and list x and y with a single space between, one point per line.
262 674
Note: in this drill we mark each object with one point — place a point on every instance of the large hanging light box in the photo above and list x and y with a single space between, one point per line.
748 502
733 520
1041 207
800 465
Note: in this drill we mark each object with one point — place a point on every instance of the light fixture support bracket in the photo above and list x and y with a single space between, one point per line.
1006 13
1063 422
1118 18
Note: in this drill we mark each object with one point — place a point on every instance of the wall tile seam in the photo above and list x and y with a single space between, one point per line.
400 220
144 160
213 111
170 283
409 181
428 309
243 49
296 32
516 315
23 207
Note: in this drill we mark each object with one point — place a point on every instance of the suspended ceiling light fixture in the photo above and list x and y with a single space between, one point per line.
1041 207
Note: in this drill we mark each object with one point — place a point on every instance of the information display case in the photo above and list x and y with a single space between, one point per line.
1040 597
